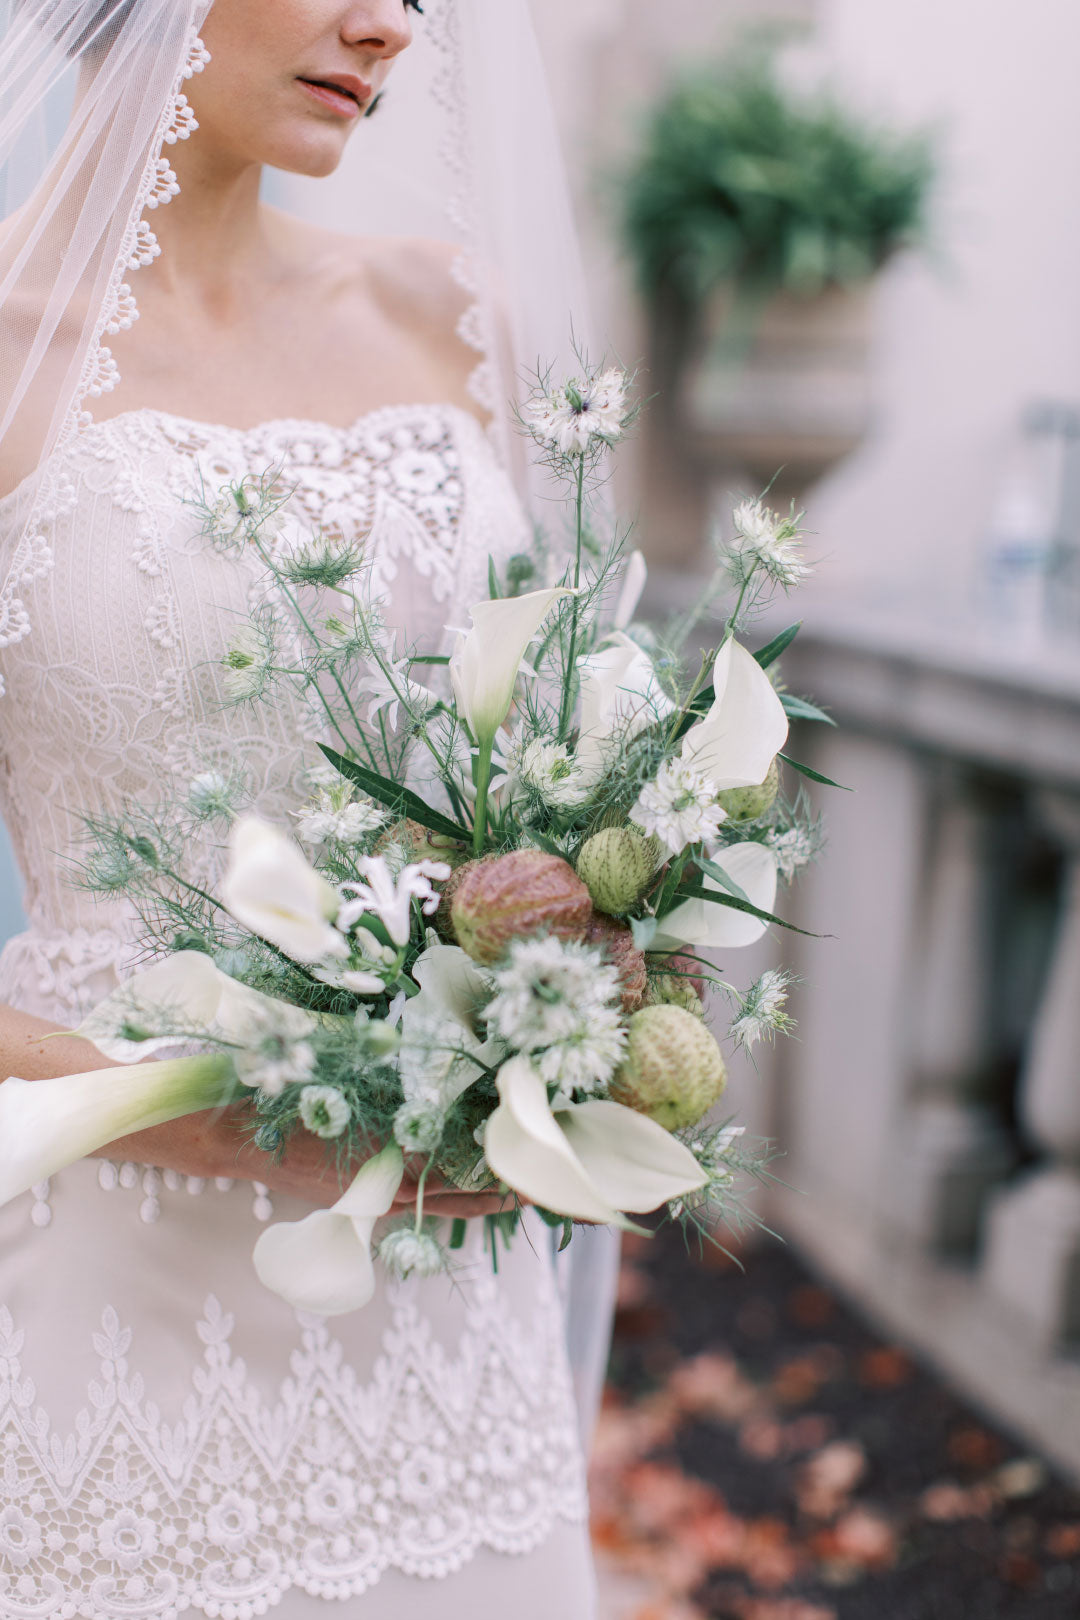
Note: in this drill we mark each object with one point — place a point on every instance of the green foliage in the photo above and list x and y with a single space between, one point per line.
740 180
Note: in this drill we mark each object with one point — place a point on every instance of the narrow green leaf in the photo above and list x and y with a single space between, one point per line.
797 708
429 658
567 1234
815 776
457 1233
699 892
718 874
771 651
493 580
401 800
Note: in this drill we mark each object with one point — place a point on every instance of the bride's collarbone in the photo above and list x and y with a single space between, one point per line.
331 346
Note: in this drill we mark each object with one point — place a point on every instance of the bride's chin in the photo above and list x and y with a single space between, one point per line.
315 152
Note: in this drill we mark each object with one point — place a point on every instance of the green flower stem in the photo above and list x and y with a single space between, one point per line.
567 708
338 682
730 626
483 779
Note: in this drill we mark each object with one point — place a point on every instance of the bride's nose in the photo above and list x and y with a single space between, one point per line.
380 25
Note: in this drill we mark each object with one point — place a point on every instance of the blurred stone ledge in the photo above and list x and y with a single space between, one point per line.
929 1112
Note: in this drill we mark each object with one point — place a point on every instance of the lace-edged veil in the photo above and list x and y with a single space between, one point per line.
93 99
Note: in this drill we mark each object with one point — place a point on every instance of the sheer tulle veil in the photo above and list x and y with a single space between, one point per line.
94 98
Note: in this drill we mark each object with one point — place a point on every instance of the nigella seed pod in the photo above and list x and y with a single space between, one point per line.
748 803
616 943
514 896
617 865
673 1070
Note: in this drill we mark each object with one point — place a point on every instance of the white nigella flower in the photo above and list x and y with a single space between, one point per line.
794 848
764 539
555 999
324 1111
336 815
389 898
248 663
409 1253
679 807
550 771
762 1014
418 1125
586 1061
211 794
243 510
276 1053
583 412
387 684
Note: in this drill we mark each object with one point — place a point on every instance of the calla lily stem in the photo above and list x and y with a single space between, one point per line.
483 780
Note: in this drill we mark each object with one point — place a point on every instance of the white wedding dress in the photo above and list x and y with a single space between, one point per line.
173 1437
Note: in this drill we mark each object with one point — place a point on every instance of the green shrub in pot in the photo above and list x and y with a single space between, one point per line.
744 182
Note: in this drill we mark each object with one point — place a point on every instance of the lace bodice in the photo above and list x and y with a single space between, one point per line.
172 1437
117 612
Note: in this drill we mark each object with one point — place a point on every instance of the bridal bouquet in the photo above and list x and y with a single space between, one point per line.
477 954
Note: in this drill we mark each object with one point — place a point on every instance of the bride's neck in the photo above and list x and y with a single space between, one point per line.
213 235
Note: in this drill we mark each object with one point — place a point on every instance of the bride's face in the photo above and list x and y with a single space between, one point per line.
289 80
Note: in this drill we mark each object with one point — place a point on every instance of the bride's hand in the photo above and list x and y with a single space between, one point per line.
217 1144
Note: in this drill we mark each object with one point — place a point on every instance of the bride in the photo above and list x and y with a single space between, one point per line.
172 1437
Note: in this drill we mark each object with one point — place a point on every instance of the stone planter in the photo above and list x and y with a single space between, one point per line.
790 390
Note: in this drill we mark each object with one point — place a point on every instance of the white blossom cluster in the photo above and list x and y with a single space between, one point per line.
549 770
324 1111
763 1011
338 814
248 663
794 849
583 413
559 1002
679 807
276 1052
764 540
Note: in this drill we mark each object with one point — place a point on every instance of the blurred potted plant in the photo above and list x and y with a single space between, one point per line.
757 218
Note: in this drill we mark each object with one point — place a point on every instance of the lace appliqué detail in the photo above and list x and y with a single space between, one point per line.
322 1488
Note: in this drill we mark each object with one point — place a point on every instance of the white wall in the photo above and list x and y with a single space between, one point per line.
963 344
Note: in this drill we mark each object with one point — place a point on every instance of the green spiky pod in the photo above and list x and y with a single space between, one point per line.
673 1070
617 866
748 803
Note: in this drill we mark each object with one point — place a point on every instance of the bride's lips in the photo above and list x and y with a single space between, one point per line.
343 93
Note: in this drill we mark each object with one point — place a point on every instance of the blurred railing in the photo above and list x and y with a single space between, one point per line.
930 1110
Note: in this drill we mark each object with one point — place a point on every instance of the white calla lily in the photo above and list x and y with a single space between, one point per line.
271 889
187 988
323 1263
485 663
633 584
745 729
46 1125
620 696
440 1032
709 926
592 1161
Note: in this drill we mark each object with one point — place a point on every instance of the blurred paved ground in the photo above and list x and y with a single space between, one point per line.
764 1456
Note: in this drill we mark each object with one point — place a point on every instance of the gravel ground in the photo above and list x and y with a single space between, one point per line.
763 1455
